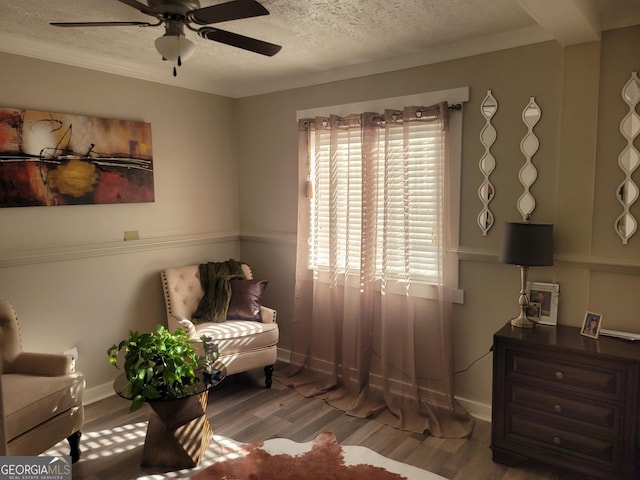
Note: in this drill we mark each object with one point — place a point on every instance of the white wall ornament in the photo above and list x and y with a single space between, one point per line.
628 160
487 163
529 146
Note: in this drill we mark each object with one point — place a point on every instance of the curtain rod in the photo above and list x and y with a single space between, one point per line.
454 106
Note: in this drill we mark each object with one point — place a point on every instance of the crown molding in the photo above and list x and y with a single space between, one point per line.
75 57
155 72
442 53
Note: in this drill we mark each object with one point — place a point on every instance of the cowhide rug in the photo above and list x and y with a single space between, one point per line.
321 459
120 449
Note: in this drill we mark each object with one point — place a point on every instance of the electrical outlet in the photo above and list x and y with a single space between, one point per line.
131 235
74 355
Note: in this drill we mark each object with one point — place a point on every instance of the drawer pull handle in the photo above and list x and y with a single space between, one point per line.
557 440
559 375
557 408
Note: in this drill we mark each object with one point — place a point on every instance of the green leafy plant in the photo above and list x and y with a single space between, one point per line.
159 364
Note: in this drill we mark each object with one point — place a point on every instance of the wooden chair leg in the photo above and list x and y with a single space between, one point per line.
74 444
268 373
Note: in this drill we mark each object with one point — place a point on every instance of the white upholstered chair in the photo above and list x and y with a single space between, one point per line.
243 344
40 395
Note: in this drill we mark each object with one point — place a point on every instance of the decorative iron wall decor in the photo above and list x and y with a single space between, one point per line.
62 159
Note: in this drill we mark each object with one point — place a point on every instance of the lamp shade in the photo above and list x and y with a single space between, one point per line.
527 244
173 46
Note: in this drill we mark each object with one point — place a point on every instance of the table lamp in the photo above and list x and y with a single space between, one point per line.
526 244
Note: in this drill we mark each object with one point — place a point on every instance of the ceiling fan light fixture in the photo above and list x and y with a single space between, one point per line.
174 47
175 15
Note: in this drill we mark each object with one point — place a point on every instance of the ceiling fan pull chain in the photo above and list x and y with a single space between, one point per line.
175 70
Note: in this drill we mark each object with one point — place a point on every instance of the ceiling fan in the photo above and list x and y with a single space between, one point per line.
177 14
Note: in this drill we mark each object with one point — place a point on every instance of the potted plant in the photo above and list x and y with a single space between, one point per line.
157 365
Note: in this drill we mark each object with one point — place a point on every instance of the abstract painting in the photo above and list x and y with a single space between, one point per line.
63 159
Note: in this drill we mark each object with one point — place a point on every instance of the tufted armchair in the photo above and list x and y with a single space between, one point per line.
243 344
40 395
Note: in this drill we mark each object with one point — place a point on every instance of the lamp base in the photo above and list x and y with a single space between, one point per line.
522 321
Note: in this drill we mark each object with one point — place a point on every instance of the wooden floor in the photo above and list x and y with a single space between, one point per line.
242 409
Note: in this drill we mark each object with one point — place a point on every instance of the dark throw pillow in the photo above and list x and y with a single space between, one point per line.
246 298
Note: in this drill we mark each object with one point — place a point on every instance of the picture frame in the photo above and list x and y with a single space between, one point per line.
53 159
546 295
533 311
591 325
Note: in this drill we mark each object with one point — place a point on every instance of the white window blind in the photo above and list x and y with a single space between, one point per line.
408 174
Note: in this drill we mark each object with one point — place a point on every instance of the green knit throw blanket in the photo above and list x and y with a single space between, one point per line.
215 278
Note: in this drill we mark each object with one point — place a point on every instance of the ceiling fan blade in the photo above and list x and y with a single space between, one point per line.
240 41
142 7
234 10
104 24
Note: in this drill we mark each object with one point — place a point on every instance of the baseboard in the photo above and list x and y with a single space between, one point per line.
100 392
478 410
105 390
284 355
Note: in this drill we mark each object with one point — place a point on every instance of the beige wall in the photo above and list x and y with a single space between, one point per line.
72 279
577 178
225 166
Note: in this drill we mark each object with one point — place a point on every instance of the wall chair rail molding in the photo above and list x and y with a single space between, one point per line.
599 264
65 253
487 163
589 262
282 238
529 146
50 159
478 255
628 160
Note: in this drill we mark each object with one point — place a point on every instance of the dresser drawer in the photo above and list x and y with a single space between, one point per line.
568 401
534 401
565 374
585 447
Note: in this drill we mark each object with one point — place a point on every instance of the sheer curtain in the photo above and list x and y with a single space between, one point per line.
372 319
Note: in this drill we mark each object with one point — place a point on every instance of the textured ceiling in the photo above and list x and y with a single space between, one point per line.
322 40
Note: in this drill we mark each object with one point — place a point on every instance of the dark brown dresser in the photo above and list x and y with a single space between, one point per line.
566 400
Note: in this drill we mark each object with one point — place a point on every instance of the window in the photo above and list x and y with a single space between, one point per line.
419 176
406 158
